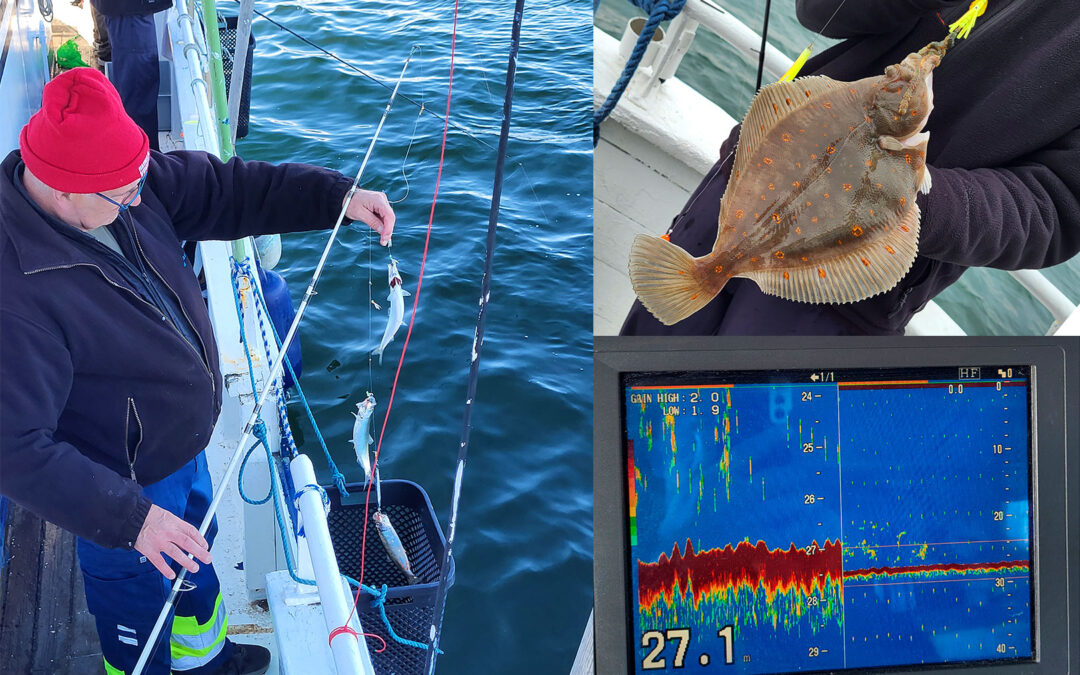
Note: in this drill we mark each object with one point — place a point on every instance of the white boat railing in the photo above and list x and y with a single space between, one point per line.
676 42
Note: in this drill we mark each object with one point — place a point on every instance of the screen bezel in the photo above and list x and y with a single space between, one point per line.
1053 623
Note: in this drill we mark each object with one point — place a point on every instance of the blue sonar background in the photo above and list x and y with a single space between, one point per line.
904 476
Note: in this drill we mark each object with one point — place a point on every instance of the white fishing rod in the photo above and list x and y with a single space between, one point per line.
151 643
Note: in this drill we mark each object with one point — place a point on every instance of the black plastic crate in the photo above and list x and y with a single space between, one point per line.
409 608
228 52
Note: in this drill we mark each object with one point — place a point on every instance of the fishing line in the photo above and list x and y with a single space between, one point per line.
412 139
478 339
416 302
253 419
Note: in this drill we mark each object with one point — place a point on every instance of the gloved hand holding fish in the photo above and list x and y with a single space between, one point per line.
821 206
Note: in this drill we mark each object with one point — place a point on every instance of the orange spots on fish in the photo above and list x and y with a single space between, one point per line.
905 228
739 213
766 160
786 276
856 230
868 119
756 216
821 272
903 200
718 269
682 272
802 131
807 92
896 117
871 211
865 262
885 227
763 127
879 185
828 169
729 228
851 127
776 217
851 90
813 219
907 158
889 249
775 109
736 173
771 186
785 138
779 255
762 197
827 105
826 195
753 259
808 203
830 150
788 101
847 187
914 113
694 296
798 165
798 230
839 242
813 156
795 184
804 258
738 256
666 237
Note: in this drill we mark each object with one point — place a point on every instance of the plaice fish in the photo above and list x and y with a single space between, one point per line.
361 434
821 203
397 308
392 543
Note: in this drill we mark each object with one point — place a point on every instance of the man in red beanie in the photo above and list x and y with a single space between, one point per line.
109 378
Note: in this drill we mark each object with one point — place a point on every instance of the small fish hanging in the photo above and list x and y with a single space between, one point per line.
394 548
361 439
821 206
397 308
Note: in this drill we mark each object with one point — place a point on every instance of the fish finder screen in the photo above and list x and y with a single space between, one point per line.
789 521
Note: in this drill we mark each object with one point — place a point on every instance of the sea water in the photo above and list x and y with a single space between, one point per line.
983 301
523 587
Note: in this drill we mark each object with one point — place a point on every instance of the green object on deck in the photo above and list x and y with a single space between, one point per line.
68 56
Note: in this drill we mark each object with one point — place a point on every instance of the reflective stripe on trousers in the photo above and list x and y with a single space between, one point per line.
195 644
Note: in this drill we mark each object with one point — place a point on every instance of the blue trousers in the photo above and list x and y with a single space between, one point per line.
135 68
125 592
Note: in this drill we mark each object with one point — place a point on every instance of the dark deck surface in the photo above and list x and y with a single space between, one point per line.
45 628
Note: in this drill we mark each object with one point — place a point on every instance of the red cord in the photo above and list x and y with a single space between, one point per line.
416 302
348 629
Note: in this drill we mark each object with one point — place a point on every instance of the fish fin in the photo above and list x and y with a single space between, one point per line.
370 439
405 292
865 271
774 103
667 280
924 186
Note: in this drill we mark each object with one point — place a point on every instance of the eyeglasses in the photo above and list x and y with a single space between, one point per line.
130 197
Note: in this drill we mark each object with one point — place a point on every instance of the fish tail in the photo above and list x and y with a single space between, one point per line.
668 280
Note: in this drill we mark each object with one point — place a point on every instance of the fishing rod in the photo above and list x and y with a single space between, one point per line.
151 643
478 339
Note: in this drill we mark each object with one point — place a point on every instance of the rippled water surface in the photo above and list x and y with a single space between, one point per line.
983 302
524 546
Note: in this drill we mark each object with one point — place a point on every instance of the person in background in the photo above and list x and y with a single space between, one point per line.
132 41
110 385
1004 158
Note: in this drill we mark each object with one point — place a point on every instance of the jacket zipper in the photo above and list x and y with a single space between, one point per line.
205 358
135 295
127 428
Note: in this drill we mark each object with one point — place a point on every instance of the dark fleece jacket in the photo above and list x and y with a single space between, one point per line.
99 393
1004 155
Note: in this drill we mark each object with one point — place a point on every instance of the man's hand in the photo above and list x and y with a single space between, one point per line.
162 532
373 209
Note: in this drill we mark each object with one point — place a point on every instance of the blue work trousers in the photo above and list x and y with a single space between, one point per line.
135 69
125 592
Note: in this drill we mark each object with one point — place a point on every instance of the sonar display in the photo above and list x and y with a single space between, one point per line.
788 521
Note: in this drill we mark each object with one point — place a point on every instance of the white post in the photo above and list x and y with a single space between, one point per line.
350 654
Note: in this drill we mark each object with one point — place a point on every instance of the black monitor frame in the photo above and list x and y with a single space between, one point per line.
1055 466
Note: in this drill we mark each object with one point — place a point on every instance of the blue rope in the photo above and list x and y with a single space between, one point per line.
658 10
260 304
259 431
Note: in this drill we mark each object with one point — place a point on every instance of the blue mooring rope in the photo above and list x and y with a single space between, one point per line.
259 431
658 10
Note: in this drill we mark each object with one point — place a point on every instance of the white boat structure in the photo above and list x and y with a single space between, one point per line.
265 603
662 138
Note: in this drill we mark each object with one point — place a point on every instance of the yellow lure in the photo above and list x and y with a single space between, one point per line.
793 71
962 26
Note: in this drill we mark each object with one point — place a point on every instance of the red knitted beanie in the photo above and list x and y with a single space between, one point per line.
81 140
